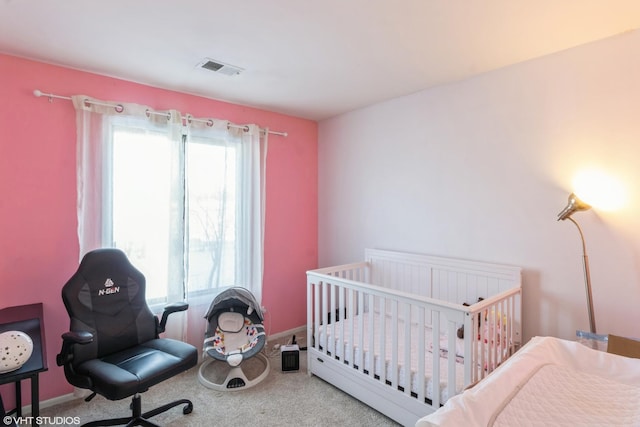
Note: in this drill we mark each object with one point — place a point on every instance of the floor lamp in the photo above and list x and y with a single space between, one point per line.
575 205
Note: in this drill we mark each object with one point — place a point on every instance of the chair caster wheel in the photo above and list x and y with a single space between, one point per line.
187 409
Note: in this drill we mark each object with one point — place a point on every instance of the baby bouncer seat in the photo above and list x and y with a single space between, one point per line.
233 342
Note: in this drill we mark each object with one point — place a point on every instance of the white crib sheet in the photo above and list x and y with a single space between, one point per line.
550 382
343 326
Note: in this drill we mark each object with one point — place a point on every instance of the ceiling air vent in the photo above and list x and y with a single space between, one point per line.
220 67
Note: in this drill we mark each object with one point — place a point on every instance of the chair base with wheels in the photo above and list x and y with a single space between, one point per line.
138 418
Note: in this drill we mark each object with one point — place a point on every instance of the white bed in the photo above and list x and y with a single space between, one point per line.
368 322
550 381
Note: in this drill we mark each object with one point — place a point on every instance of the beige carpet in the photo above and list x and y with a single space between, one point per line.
282 399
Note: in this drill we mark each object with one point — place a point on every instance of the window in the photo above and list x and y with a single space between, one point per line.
172 209
211 174
183 197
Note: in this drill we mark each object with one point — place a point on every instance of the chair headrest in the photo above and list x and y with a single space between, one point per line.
106 280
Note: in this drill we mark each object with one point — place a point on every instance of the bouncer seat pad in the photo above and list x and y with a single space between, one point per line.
234 334
230 321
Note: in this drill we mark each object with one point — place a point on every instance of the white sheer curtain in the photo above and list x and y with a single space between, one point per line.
193 232
246 151
95 122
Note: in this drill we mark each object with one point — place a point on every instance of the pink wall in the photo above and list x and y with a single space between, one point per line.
38 243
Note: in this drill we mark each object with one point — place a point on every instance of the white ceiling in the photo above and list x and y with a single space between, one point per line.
307 58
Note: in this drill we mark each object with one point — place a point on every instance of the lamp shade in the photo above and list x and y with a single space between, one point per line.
574 205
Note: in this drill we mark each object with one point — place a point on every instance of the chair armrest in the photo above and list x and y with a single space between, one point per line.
78 337
69 339
171 308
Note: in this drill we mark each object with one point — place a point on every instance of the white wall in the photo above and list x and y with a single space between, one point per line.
479 169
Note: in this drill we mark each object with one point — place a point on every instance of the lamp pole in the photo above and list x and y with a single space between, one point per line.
587 278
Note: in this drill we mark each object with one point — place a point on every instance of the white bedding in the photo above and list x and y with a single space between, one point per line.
343 325
559 395
550 382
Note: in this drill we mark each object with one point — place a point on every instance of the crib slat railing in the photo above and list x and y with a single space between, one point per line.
324 286
318 310
340 347
350 357
360 361
394 344
498 337
371 338
342 310
336 298
382 340
316 313
356 269
435 368
334 316
421 362
452 366
407 346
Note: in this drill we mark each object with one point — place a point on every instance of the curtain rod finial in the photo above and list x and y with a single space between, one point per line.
37 93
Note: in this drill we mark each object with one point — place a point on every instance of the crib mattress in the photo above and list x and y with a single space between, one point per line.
341 329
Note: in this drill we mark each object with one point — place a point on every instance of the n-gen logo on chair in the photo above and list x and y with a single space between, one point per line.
108 288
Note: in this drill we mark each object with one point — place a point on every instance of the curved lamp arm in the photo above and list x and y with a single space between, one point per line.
587 278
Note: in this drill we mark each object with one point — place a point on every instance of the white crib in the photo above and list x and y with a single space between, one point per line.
374 327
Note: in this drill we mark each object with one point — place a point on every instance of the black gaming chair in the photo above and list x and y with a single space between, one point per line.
113 347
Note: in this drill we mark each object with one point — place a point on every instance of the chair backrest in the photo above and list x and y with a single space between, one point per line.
106 296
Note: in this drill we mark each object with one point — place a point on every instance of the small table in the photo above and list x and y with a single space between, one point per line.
28 319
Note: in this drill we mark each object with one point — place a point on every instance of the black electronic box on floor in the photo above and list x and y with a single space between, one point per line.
290 355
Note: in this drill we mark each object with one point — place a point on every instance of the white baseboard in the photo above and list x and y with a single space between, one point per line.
300 331
26 409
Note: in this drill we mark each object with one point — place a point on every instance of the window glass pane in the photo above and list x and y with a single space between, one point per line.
141 204
211 193
148 220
